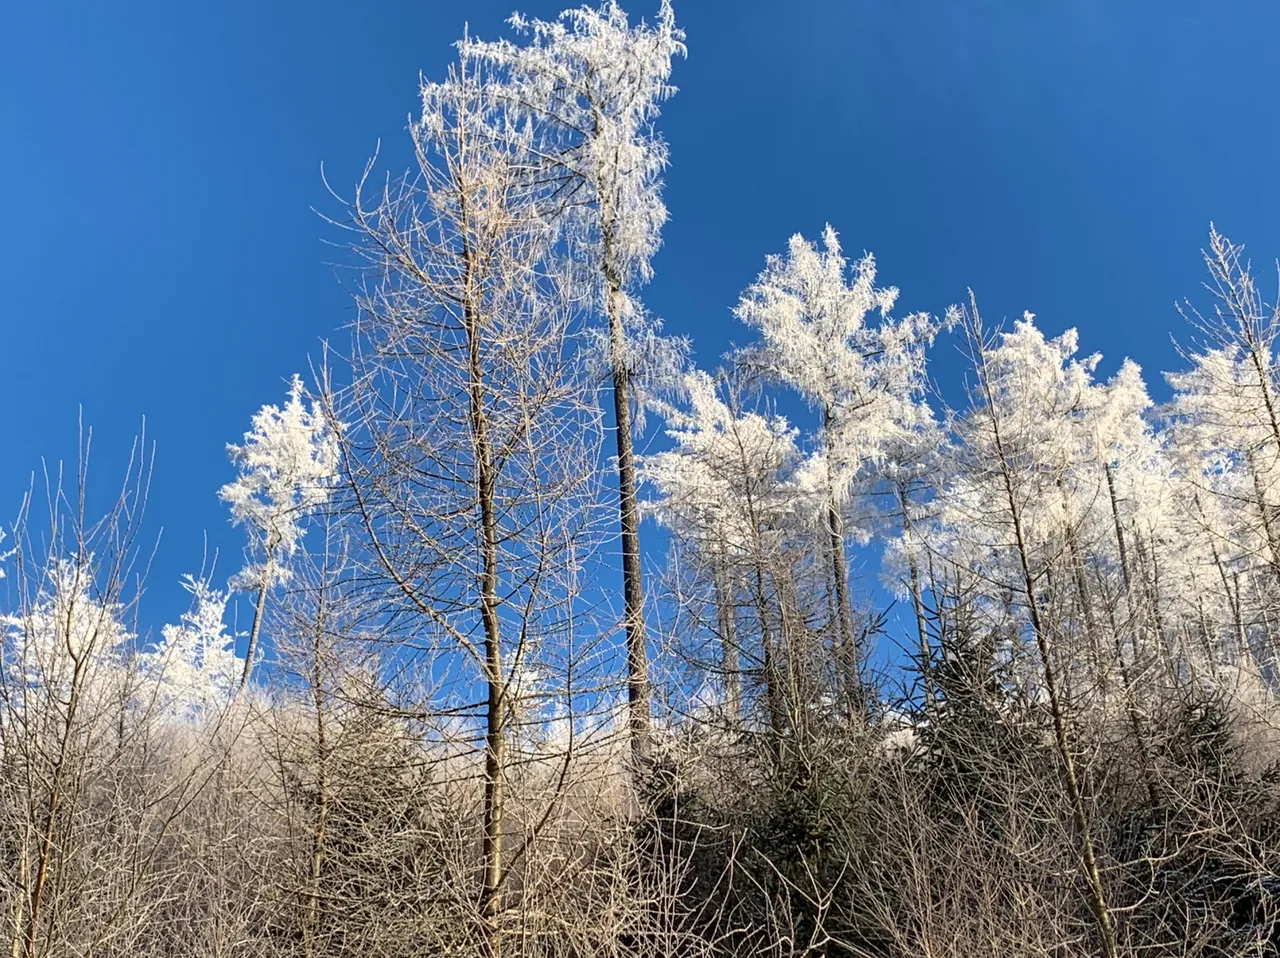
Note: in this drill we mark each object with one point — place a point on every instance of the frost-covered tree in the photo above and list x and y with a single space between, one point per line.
591 83
64 684
1065 437
194 668
726 476
66 637
286 465
865 377
66 694
1226 430
1012 511
726 490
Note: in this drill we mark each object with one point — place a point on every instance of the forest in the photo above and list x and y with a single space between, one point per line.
560 645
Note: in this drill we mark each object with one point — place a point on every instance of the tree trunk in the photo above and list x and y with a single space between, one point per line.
496 704
259 606
917 605
314 916
729 664
1103 920
628 517
847 664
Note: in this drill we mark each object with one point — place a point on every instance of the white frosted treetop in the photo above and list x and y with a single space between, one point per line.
592 82
819 335
727 475
285 466
195 665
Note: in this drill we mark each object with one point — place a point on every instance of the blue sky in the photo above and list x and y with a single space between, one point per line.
160 255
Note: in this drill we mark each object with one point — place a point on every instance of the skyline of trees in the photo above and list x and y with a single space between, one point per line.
449 733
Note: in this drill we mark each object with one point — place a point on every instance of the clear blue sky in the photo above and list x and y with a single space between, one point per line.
160 256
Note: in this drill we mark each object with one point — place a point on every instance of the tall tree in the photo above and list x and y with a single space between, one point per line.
1226 427
727 492
592 84
1011 519
864 378
468 442
285 467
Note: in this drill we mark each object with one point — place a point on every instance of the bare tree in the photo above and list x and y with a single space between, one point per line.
467 437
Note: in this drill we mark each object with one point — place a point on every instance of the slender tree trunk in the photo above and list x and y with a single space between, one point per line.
846 648
729 664
847 651
1264 383
1150 569
1104 922
1082 597
774 701
791 631
259 606
1243 652
1134 615
1090 620
917 604
15 946
314 916
43 864
1267 519
58 788
628 515
496 700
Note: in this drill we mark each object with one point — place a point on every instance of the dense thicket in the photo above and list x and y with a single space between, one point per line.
1051 727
